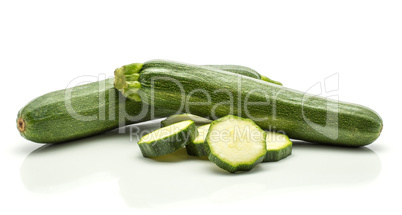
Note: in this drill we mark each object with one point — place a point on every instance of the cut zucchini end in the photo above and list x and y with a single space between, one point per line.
126 80
235 144
21 125
279 147
167 139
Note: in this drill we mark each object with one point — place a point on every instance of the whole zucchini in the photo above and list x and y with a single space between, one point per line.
91 109
209 92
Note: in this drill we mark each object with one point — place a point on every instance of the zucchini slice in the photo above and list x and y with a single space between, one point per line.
279 146
197 147
235 144
182 117
167 139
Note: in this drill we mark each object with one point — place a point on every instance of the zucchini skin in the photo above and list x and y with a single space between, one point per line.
47 118
228 167
274 155
243 70
197 147
294 112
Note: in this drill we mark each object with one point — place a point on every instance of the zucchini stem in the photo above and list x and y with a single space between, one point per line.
126 80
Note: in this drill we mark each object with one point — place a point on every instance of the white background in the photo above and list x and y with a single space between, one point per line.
46 44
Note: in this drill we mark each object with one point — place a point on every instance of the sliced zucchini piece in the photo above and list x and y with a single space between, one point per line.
197 147
235 144
182 117
279 146
167 139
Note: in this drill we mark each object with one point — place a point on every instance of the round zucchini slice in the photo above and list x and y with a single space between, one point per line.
167 139
235 144
279 147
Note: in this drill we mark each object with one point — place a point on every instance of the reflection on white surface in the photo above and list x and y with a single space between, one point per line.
177 178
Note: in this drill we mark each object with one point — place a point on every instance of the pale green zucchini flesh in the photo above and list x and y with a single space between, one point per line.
197 147
279 147
182 117
167 139
235 144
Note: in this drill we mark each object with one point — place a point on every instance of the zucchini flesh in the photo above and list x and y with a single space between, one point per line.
167 139
235 144
182 117
197 147
299 115
279 147
99 108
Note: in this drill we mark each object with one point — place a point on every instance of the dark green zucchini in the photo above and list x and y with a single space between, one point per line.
246 71
214 93
91 109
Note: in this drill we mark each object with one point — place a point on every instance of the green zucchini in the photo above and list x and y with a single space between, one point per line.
214 93
182 117
92 109
235 144
246 71
197 146
279 147
167 139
